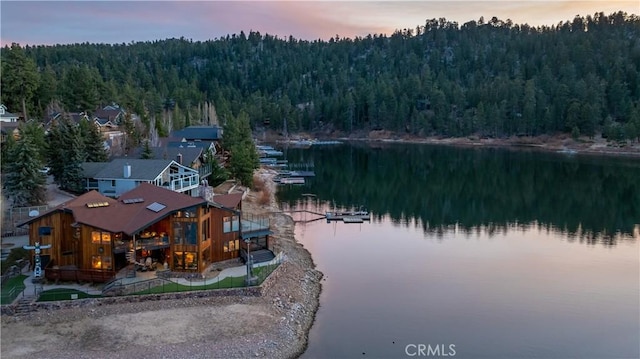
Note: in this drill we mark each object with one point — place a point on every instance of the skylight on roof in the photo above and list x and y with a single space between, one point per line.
97 204
132 200
156 207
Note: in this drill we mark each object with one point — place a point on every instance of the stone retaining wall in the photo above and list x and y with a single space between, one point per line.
255 291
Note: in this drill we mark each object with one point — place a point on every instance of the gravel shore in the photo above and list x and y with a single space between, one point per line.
274 325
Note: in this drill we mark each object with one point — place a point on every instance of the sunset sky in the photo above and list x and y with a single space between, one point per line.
64 22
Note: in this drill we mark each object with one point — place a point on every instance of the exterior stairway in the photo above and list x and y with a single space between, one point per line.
131 268
23 305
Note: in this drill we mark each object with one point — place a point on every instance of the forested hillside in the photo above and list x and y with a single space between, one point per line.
491 78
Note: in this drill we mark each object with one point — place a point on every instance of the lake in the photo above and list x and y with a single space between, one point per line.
471 252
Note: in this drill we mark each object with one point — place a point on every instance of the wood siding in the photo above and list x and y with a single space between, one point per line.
219 238
72 244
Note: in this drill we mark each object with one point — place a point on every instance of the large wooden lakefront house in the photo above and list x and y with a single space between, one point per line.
94 236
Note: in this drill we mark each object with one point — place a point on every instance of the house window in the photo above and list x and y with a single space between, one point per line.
226 224
96 262
185 260
113 183
230 224
235 224
232 245
98 237
185 232
100 262
187 213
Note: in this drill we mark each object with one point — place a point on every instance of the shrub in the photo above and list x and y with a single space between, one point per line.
265 197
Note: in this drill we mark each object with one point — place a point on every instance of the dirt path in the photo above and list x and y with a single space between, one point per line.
273 326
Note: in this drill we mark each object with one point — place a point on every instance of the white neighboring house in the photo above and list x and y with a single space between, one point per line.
113 178
6 116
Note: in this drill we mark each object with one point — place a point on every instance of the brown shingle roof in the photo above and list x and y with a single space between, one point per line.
228 200
127 218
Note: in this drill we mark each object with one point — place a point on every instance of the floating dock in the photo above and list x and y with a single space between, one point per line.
348 217
302 174
268 151
290 180
352 220
309 142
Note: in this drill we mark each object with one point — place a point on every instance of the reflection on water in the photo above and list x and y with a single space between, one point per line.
592 199
475 249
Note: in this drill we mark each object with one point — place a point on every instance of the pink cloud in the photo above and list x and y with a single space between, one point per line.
52 22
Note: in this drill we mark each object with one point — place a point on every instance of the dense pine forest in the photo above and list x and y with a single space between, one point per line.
487 77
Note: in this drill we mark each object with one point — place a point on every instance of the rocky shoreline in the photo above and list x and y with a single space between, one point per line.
273 325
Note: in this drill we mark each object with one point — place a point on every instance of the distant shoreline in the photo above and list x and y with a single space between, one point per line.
575 148
562 143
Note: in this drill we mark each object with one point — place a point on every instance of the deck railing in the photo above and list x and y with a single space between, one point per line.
204 170
194 282
254 223
183 183
78 275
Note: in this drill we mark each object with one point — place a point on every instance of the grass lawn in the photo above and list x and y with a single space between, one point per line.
229 282
11 288
64 294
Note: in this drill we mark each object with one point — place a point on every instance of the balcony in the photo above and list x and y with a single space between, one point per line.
183 182
143 241
254 226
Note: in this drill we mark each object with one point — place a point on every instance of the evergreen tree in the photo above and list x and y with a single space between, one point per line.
56 155
20 79
47 89
80 90
25 184
147 152
7 147
36 134
218 173
240 165
93 143
132 136
72 174
243 154
429 81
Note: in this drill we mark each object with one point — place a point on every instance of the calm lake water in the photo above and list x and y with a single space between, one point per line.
482 253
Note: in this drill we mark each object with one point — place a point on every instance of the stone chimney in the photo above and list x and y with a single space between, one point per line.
127 171
179 158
